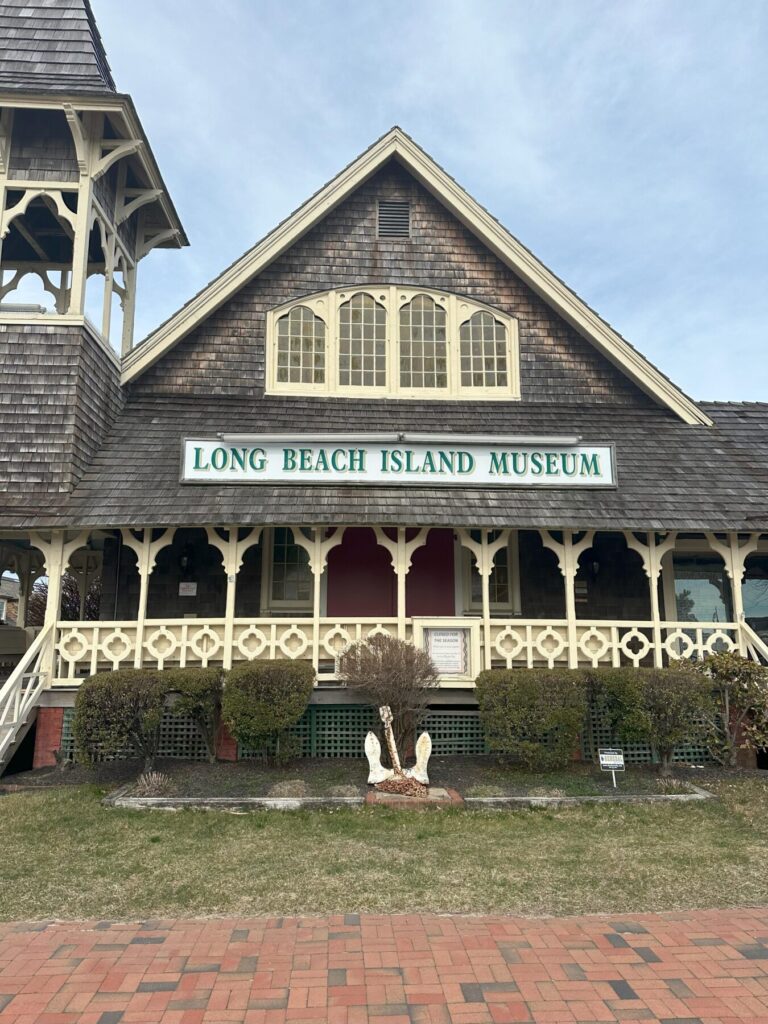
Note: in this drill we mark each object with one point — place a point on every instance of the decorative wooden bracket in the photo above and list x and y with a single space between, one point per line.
569 551
133 200
401 550
651 553
317 546
734 552
233 550
484 551
113 150
146 549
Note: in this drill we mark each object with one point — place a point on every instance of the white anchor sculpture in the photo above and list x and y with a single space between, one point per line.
378 773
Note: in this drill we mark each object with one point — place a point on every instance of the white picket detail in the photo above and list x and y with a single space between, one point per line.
21 692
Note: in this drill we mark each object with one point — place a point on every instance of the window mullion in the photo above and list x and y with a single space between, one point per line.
452 342
332 355
393 342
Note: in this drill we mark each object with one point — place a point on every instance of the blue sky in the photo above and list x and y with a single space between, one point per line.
625 143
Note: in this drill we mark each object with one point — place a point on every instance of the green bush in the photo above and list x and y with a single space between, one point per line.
673 703
118 710
615 695
199 697
663 707
264 698
532 715
738 713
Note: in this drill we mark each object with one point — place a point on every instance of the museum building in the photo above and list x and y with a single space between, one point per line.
388 416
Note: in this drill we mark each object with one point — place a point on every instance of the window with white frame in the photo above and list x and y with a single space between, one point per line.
286 576
503 583
386 341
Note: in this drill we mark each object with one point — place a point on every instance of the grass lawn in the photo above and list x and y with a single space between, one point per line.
65 855
471 776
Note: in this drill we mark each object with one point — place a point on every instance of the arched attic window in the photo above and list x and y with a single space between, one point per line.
300 347
384 341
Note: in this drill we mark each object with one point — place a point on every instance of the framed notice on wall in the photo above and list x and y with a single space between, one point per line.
448 649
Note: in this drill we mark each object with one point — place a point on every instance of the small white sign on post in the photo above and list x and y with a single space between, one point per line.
448 649
611 760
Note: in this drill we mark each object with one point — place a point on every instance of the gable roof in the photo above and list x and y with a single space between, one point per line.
396 144
52 45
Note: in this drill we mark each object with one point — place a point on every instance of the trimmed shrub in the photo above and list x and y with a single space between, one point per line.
118 710
199 697
615 694
673 703
390 671
532 715
738 714
664 707
264 698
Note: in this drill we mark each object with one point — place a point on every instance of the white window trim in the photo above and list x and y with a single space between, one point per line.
459 309
465 568
267 604
3 608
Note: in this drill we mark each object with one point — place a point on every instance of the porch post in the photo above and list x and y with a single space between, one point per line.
56 553
146 551
734 554
232 552
652 554
54 567
568 554
317 548
484 555
401 552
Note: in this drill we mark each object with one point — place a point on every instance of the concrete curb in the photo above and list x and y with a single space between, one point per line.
120 798
500 803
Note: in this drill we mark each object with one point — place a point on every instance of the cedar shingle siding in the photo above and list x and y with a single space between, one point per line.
59 393
51 45
225 356
63 425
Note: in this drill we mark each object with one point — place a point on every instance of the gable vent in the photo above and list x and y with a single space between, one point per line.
394 218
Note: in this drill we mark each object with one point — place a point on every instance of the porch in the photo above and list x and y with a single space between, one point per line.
475 598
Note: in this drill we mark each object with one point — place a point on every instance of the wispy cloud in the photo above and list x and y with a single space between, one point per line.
626 144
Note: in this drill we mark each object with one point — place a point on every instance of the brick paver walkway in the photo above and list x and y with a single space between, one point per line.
710 967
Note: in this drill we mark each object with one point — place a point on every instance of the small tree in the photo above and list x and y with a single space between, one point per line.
390 671
671 708
115 711
199 697
70 600
738 715
264 698
532 715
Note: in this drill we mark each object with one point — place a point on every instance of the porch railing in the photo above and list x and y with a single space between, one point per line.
21 692
83 648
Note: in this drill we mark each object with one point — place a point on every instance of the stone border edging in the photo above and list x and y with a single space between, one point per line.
120 798
501 803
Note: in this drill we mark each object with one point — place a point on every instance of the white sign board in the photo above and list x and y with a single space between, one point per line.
187 589
465 463
611 760
449 650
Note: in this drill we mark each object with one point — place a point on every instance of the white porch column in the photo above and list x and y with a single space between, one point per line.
317 547
484 554
734 553
401 552
146 551
652 554
568 553
232 551
56 553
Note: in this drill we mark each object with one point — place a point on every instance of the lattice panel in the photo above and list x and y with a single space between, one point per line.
454 733
597 733
340 730
302 730
179 737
